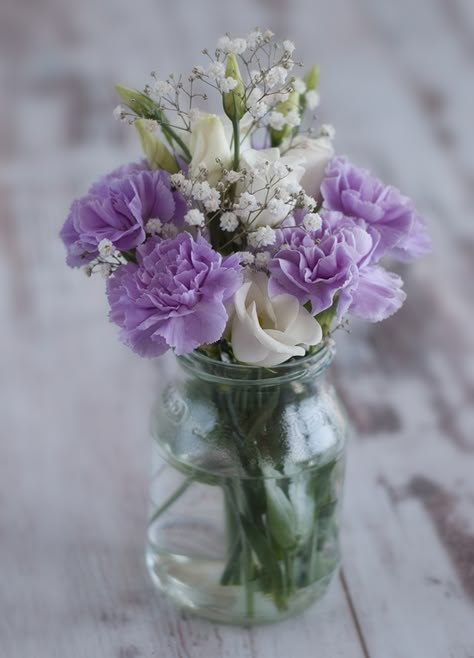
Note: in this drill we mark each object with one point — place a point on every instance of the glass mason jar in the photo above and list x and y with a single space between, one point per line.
247 473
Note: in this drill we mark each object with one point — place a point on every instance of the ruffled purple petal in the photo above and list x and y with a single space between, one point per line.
378 294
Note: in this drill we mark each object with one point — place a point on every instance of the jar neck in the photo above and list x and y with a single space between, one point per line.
311 366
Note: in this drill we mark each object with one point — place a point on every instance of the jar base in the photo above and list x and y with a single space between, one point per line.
193 584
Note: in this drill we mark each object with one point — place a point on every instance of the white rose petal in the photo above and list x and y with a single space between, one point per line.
208 144
267 331
313 154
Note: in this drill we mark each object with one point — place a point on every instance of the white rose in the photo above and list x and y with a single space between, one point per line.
267 331
209 142
255 162
313 154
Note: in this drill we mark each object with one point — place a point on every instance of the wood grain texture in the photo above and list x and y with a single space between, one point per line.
398 84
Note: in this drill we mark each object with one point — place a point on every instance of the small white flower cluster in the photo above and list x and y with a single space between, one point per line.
278 120
327 130
108 260
156 227
229 221
264 236
194 217
120 113
200 191
259 261
268 65
312 221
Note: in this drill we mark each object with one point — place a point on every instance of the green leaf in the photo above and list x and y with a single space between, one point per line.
281 517
156 152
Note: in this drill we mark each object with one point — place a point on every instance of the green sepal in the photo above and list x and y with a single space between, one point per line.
234 100
156 152
141 104
292 103
326 317
311 79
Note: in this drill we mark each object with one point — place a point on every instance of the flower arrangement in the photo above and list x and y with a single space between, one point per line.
243 237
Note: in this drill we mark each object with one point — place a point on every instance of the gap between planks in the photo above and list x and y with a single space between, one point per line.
353 613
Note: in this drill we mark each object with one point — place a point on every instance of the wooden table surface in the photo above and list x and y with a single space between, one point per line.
398 84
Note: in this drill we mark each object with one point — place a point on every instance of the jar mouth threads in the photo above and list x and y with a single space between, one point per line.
311 365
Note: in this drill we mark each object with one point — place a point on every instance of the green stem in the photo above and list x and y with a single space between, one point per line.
248 577
236 138
169 501
171 135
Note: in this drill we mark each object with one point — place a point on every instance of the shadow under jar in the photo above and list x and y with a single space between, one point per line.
247 474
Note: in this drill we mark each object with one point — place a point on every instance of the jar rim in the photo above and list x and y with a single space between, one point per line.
211 369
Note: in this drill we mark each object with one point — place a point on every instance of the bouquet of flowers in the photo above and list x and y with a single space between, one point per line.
242 236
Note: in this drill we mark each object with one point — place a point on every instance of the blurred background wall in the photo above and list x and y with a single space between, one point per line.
397 83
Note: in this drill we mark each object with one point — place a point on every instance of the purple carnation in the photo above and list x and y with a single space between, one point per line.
334 262
391 218
315 266
174 297
117 208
